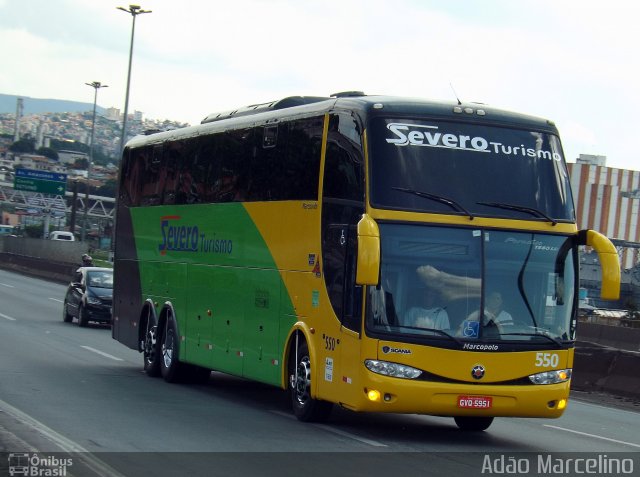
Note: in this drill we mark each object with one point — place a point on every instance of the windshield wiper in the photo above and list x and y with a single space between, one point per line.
438 198
520 208
543 333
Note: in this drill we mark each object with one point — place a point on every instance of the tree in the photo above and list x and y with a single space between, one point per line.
26 145
48 152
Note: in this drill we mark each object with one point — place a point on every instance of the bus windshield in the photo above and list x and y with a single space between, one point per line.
470 169
435 280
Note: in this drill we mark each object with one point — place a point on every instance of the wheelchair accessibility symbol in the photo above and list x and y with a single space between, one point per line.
470 329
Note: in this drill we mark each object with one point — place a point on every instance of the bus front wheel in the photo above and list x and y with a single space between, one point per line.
305 407
467 423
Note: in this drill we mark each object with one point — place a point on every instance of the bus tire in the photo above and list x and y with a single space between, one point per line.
170 367
474 424
151 349
305 408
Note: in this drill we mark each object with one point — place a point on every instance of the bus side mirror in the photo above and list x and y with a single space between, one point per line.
368 266
609 261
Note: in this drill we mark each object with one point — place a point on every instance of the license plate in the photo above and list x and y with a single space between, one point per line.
475 402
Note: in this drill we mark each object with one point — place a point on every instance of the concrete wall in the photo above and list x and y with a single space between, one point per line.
619 337
609 370
48 259
56 250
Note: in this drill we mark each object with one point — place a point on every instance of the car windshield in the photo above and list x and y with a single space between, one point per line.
100 279
435 280
470 169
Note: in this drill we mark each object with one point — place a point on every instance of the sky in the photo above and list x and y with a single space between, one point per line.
575 62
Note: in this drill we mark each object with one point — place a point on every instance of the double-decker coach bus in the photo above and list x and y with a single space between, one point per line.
379 253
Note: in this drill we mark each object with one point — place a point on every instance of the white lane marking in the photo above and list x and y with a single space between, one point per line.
101 353
7 317
350 436
67 445
595 436
55 299
327 428
7 285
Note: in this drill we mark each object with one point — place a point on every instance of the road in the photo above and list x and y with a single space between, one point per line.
70 389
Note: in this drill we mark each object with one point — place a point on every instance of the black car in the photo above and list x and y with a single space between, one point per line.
89 296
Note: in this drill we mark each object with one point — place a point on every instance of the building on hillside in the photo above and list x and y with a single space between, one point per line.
608 200
70 157
113 114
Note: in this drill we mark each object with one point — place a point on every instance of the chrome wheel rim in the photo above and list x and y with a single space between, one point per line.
149 345
167 348
303 381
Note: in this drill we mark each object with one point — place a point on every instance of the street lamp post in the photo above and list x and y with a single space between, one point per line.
134 10
96 85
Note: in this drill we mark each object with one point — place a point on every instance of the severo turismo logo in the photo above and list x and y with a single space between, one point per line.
179 237
422 135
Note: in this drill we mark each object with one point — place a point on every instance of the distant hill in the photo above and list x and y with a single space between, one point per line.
37 105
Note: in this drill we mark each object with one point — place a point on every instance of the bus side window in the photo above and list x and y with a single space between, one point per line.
174 156
301 166
342 208
267 181
206 176
132 170
235 156
152 180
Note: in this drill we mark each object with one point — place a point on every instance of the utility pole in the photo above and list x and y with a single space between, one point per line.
96 85
134 10
74 206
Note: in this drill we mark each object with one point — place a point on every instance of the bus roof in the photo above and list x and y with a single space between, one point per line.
363 105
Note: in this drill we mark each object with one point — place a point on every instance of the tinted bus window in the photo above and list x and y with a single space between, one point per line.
483 169
301 167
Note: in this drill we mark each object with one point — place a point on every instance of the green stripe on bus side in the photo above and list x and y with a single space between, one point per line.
211 262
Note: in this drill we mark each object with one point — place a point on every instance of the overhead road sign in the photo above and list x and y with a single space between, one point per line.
40 181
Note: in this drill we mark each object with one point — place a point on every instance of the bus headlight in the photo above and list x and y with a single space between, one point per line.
392 369
551 377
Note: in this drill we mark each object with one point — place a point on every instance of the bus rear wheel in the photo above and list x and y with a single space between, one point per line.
474 424
305 407
170 366
150 349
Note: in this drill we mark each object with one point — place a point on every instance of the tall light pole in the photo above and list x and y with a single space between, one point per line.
96 85
134 10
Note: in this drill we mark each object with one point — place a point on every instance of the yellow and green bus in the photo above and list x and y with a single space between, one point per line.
342 248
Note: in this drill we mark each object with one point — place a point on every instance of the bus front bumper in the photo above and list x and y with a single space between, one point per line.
386 394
